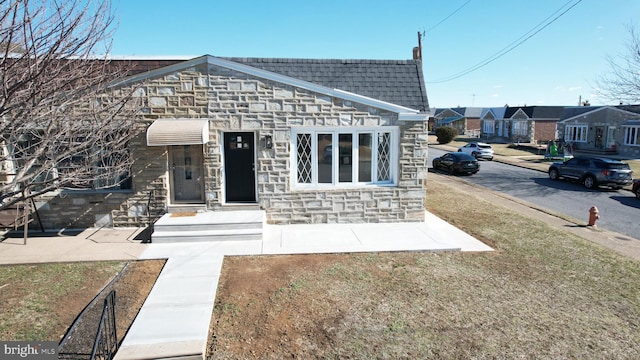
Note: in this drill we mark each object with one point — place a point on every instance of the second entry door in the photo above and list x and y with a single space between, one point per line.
186 174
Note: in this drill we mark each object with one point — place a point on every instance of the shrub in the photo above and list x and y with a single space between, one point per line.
446 134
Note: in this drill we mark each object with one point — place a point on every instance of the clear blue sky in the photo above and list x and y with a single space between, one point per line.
556 66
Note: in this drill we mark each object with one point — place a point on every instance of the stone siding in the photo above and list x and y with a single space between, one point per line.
234 101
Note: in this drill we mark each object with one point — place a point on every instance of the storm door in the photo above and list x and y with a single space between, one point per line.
599 142
187 174
239 167
611 138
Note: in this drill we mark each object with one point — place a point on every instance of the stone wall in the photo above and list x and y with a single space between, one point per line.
241 103
233 101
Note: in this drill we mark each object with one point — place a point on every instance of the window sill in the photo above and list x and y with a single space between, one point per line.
311 187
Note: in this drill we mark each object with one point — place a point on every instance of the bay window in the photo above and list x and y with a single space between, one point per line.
575 133
488 126
519 128
343 157
632 135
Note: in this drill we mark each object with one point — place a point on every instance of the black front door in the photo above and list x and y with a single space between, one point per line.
239 166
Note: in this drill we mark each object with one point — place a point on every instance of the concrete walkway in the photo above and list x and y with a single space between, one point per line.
174 321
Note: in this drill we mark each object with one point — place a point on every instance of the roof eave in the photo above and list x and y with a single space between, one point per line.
413 117
603 108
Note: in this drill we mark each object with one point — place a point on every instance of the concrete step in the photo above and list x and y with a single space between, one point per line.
205 235
209 226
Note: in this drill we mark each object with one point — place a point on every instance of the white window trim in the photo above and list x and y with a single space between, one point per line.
335 131
488 126
520 128
580 139
631 141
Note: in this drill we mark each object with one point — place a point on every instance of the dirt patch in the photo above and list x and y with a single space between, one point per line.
259 321
132 286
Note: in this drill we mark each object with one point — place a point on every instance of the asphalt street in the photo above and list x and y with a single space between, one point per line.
619 210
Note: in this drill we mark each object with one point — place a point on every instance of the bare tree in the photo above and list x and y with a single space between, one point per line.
622 83
61 124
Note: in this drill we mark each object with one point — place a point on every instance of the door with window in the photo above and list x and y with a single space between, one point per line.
611 138
599 140
239 167
187 174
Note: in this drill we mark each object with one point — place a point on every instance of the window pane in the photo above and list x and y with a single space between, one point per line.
384 154
325 158
345 161
304 158
364 157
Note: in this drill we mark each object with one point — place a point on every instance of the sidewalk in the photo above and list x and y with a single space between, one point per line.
70 246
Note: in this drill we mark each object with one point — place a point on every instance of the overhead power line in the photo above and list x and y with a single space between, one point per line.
516 43
446 18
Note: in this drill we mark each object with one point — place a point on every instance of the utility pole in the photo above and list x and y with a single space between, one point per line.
417 51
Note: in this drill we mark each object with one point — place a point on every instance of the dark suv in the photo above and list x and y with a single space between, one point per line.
593 172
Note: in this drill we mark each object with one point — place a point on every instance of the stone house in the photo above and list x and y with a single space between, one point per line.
466 119
526 124
305 140
602 129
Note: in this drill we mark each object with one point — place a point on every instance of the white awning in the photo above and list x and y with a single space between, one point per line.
178 132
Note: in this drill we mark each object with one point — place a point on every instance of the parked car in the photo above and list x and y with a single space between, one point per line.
636 187
593 172
478 150
457 163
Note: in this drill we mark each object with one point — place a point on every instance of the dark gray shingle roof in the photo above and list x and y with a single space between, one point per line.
536 112
571 111
398 82
631 108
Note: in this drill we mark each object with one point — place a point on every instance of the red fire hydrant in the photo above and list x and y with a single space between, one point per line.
593 216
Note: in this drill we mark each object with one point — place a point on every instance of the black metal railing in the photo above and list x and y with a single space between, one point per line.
106 341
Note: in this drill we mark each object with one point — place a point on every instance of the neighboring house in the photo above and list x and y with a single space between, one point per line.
602 129
526 124
308 141
466 120
491 122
